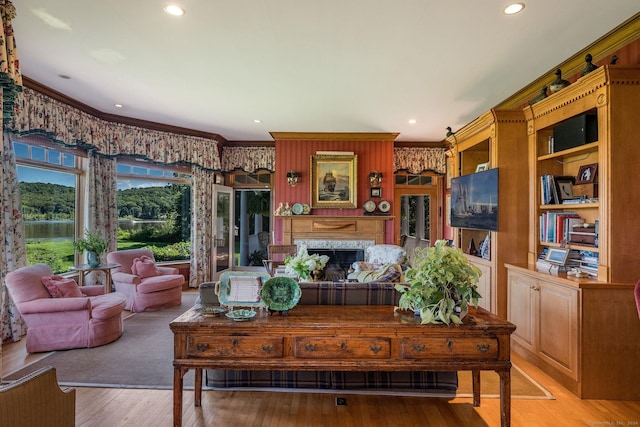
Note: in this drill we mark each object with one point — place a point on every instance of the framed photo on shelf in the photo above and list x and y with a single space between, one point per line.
564 187
587 174
557 256
376 192
334 181
482 167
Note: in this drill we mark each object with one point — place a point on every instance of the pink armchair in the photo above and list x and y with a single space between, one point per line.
67 322
158 288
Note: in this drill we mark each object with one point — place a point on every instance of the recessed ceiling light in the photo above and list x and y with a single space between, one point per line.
513 8
174 9
257 121
118 105
412 121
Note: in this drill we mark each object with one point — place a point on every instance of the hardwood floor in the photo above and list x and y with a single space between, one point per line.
108 407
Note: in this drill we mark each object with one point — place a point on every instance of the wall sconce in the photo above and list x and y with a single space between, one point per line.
292 177
375 178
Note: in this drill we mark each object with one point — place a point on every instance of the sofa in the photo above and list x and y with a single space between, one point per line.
339 293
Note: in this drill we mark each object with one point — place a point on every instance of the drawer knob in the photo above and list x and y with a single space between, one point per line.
202 347
375 348
310 347
483 347
267 348
417 348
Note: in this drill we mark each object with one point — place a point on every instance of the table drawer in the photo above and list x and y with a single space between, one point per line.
224 347
342 348
468 348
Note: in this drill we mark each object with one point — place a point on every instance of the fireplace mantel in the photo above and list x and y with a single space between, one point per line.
333 227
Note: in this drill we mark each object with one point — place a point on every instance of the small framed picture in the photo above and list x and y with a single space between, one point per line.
564 187
587 174
557 256
376 192
482 167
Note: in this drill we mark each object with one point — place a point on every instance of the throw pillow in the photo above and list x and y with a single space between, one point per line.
144 267
363 266
61 287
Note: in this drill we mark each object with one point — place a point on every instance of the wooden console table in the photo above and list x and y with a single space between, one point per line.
341 338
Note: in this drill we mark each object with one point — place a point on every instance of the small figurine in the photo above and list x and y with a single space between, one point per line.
540 97
614 59
589 67
278 211
558 83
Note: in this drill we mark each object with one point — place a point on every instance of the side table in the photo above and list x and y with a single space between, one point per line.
83 269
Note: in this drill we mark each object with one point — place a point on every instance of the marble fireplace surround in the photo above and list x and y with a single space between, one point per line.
340 237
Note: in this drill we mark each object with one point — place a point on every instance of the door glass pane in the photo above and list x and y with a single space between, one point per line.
414 216
223 224
252 222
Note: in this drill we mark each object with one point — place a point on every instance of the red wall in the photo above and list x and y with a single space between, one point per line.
296 155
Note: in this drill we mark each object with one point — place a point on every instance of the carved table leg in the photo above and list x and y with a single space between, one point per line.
178 382
197 395
505 398
475 375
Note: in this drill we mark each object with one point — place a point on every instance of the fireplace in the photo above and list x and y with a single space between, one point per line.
341 252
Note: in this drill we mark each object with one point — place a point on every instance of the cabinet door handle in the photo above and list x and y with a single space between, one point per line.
483 347
202 347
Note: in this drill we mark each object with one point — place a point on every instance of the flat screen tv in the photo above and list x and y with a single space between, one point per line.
474 200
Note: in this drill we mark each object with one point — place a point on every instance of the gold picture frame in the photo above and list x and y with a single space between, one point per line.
334 181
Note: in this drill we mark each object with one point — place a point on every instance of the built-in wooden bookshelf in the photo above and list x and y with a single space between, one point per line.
576 329
496 139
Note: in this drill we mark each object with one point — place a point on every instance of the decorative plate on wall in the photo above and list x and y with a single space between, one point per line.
384 206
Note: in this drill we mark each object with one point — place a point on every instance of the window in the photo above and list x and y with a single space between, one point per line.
154 208
48 178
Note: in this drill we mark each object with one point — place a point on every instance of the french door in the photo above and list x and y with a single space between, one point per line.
223 230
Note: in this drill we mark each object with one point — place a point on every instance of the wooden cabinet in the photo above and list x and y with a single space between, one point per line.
498 139
546 315
577 331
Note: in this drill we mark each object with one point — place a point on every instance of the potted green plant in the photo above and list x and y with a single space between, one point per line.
440 284
94 244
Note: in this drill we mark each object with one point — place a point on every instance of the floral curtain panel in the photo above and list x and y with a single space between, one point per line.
201 230
418 160
10 76
12 250
248 159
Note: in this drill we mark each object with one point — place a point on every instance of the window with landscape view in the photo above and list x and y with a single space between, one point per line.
154 209
48 180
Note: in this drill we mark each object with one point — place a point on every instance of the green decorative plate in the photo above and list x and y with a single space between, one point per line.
211 311
297 209
280 293
241 315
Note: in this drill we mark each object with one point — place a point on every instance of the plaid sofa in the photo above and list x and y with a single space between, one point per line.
327 293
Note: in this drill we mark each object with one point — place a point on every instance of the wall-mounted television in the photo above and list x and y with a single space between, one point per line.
474 200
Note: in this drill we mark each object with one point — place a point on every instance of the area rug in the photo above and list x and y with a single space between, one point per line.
143 358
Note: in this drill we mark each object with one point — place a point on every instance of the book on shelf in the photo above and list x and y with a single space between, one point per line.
555 226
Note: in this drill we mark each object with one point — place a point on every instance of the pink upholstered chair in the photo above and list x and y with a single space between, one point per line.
65 322
158 288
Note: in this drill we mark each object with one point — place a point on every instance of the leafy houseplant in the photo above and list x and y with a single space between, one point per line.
94 244
303 264
441 284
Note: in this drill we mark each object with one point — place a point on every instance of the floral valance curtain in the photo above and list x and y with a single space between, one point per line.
418 160
248 159
38 113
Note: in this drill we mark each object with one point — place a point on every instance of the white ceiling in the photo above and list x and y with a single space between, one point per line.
303 65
